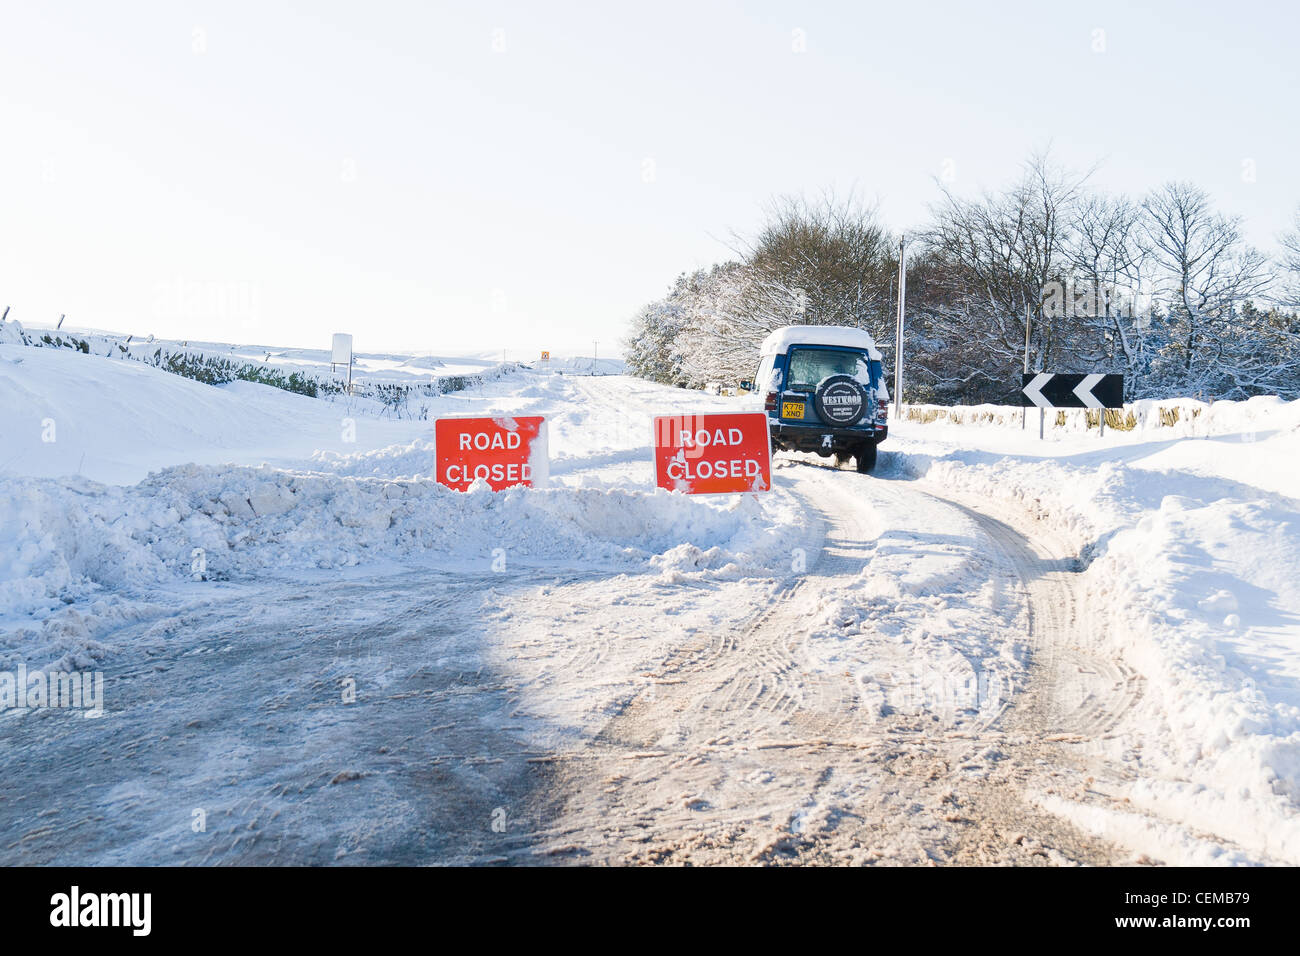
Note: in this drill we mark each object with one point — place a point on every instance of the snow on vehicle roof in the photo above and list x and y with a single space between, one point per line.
781 339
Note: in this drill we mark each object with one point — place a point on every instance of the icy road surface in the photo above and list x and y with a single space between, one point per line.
594 719
922 666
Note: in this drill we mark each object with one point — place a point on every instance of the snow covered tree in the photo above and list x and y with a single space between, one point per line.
1204 272
648 348
1164 290
731 314
1000 253
1289 292
835 258
1116 327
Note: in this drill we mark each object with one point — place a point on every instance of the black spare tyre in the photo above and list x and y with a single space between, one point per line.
840 400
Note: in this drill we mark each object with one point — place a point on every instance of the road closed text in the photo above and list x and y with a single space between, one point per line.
505 475
713 454
504 452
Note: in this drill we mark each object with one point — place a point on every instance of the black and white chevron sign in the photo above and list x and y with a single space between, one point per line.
1053 390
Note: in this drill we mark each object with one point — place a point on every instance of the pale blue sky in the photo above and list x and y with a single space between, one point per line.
453 176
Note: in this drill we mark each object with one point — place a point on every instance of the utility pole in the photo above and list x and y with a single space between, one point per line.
1027 321
1023 410
898 336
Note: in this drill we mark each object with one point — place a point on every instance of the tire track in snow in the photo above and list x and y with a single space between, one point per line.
1074 695
740 751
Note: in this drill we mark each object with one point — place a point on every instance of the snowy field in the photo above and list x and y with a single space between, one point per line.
995 650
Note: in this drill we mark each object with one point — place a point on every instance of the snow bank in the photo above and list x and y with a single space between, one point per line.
65 542
1175 417
111 420
11 333
1192 578
1202 595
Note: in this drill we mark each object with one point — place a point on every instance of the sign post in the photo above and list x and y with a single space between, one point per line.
709 454
505 452
898 335
1024 411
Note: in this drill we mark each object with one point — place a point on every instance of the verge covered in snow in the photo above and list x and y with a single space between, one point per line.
1192 552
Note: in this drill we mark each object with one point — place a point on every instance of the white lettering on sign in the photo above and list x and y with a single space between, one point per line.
684 469
705 438
708 454
505 451
513 472
482 441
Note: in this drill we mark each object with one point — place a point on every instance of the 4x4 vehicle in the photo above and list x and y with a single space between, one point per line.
824 392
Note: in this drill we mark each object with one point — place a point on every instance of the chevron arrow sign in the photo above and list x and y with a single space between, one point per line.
1054 390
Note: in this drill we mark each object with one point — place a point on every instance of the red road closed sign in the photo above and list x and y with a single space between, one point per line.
713 454
504 451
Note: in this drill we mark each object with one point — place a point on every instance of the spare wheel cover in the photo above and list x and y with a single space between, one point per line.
840 400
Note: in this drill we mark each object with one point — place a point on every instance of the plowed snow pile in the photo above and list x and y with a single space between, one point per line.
1191 539
76 555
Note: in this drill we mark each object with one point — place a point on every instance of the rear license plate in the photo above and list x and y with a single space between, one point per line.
792 409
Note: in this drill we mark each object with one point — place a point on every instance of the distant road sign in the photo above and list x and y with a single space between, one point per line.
546 356
504 452
713 454
1055 390
341 353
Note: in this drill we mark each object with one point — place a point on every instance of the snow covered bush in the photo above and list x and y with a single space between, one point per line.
1164 289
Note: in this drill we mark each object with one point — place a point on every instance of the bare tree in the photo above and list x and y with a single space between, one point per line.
1108 259
833 250
1290 262
1003 250
1205 270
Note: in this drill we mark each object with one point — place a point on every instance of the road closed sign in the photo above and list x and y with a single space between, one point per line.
713 454
505 452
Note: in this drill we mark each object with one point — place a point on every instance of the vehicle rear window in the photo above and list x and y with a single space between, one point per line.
809 366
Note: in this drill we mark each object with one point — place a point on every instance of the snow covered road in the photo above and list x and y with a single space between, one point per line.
756 745
650 717
992 651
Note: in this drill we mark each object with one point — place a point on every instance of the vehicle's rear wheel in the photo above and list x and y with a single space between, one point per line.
866 457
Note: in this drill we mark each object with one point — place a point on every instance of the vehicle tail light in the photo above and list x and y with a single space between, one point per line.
769 405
